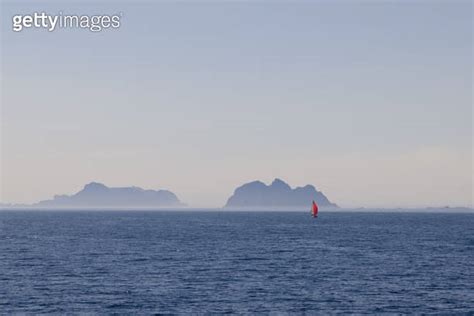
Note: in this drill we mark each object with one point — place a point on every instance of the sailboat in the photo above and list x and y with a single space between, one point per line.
314 210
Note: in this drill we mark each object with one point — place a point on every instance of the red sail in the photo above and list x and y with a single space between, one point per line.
315 209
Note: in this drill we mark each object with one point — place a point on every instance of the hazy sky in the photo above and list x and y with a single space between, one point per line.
370 102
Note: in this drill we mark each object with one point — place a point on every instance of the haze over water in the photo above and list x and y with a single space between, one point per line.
370 101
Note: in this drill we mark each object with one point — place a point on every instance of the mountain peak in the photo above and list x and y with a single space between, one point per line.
278 183
94 188
94 185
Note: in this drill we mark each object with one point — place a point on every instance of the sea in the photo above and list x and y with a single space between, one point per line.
224 262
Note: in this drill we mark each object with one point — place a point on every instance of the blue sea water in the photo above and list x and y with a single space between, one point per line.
235 262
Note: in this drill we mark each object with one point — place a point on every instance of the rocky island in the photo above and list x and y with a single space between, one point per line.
279 194
98 195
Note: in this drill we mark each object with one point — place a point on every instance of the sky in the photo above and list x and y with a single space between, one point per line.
371 102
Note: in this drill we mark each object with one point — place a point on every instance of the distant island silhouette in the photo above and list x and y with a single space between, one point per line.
278 194
99 195
254 195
